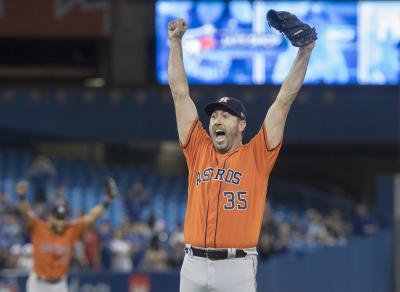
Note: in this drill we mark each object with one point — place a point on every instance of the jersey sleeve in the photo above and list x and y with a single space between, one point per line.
78 227
196 140
265 156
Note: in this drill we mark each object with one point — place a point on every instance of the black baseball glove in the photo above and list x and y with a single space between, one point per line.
111 187
299 34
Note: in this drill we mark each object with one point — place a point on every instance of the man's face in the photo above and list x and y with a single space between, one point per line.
226 131
57 225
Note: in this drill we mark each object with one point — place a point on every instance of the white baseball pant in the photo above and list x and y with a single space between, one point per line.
200 274
34 284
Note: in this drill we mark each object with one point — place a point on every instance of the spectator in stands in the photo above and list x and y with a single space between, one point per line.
363 223
121 253
6 209
136 200
106 237
155 258
317 234
154 227
177 235
3 243
11 230
268 224
40 172
336 227
176 247
6 204
79 257
138 236
10 235
91 243
282 243
21 256
59 193
266 247
297 237
3 258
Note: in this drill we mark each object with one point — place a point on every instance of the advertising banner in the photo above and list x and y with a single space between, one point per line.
54 18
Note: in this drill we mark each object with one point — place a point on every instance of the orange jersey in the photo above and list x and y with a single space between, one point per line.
52 252
226 192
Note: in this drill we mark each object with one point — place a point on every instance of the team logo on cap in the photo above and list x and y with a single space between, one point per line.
224 99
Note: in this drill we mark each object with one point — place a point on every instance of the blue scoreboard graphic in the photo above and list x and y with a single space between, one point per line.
230 42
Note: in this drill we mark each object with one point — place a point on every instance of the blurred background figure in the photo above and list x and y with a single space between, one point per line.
337 229
59 193
176 245
135 201
21 257
283 243
363 222
155 258
105 233
121 252
267 246
40 172
79 259
92 247
6 204
316 234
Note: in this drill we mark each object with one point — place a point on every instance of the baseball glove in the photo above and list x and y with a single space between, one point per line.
111 187
299 34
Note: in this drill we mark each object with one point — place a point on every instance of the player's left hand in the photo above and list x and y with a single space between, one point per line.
299 33
111 188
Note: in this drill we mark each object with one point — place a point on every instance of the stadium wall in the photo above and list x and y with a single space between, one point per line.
348 114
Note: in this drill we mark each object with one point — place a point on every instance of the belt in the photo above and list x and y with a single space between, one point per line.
49 281
216 254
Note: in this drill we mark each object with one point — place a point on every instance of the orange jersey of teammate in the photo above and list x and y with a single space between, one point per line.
52 252
227 192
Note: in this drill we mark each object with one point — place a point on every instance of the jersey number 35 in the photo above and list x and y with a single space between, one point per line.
236 200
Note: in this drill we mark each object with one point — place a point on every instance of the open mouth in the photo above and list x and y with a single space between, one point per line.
219 135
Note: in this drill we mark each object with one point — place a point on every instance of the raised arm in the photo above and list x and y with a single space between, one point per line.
23 206
185 109
97 211
277 113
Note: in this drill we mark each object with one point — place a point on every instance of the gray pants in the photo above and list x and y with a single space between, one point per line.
230 275
35 285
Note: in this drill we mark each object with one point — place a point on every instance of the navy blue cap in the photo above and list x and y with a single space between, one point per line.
230 104
60 210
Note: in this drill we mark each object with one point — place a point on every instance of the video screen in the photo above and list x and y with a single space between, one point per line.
231 42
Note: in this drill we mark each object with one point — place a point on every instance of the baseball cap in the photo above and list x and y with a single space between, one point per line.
60 210
230 104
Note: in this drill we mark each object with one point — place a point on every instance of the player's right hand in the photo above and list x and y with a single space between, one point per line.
176 29
22 187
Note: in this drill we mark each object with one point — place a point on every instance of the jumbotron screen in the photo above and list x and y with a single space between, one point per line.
231 43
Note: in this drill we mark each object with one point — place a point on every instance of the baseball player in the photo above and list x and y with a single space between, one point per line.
53 241
227 180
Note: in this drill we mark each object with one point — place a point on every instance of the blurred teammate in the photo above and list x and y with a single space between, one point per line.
227 180
53 241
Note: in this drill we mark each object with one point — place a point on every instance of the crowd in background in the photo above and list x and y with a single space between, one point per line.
149 244
294 233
